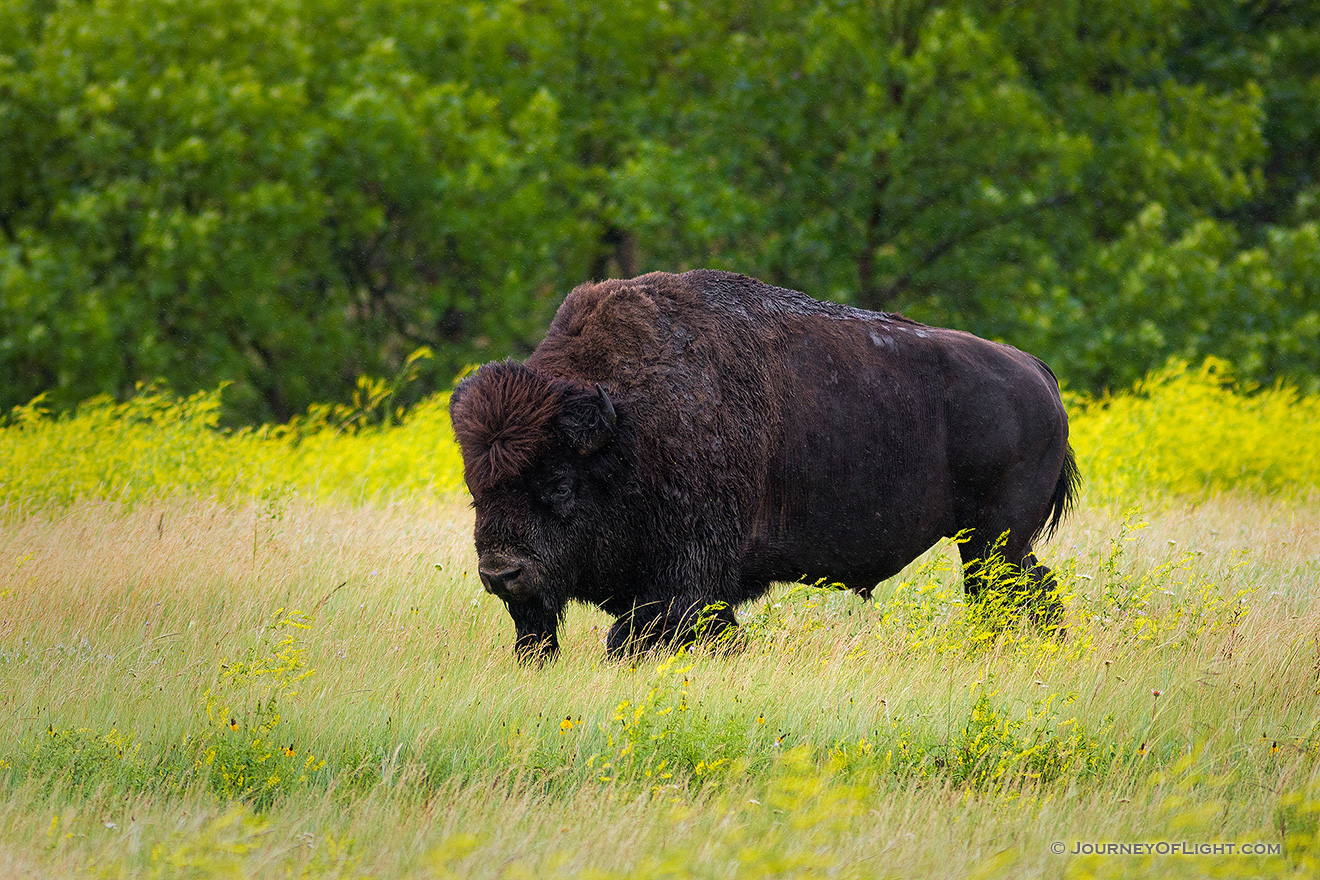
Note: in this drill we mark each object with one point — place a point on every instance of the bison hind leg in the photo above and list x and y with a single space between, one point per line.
1001 589
1045 601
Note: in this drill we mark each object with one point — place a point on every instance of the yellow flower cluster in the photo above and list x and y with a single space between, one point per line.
1192 431
1181 431
158 446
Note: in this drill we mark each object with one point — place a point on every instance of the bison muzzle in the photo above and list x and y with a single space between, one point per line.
679 442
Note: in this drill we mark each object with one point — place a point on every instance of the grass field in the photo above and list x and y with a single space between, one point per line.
280 681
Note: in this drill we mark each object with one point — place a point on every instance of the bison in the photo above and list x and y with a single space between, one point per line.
679 442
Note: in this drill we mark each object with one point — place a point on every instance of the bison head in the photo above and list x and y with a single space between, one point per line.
533 459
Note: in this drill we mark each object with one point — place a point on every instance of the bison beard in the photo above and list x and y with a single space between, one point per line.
679 442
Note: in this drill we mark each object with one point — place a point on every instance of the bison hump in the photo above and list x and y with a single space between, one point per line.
604 331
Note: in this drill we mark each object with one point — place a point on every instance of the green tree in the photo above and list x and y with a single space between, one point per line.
265 193
288 194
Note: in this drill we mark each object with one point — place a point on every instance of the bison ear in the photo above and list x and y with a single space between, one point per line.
588 422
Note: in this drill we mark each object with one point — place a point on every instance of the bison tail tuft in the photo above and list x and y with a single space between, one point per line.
1065 493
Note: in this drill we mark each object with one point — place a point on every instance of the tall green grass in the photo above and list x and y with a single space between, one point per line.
264 653
342 702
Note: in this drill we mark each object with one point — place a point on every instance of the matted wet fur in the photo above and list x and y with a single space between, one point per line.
679 441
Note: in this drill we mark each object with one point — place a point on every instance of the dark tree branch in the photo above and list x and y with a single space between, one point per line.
949 242
7 226
268 385
871 237
903 219
401 326
1264 11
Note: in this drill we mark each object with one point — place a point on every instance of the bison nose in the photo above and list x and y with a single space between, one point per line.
500 583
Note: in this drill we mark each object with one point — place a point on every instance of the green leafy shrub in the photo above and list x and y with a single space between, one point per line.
81 758
661 736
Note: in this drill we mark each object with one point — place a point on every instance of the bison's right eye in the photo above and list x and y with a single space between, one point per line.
560 493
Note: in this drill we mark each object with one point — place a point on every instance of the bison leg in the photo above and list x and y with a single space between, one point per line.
676 623
536 626
1046 604
536 647
630 632
1011 571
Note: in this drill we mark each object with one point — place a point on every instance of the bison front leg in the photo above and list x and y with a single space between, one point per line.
675 623
537 631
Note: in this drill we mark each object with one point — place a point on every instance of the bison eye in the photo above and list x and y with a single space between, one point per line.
558 489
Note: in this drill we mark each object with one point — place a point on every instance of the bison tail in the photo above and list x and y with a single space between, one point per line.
1065 493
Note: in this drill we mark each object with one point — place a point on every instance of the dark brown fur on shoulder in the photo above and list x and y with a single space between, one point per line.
504 418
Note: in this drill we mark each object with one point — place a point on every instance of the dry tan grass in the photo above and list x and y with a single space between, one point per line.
122 620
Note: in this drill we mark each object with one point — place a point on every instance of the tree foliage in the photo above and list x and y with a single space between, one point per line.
289 194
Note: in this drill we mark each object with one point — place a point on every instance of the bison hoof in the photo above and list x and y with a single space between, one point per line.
536 649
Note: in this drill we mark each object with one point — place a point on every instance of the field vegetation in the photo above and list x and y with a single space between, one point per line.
265 653
284 194
240 629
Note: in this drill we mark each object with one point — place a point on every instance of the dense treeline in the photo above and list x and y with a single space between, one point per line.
287 194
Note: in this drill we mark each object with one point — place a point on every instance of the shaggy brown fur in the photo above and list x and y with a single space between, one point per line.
505 422
679 442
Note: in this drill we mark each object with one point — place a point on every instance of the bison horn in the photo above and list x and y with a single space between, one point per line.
611 418
590 435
